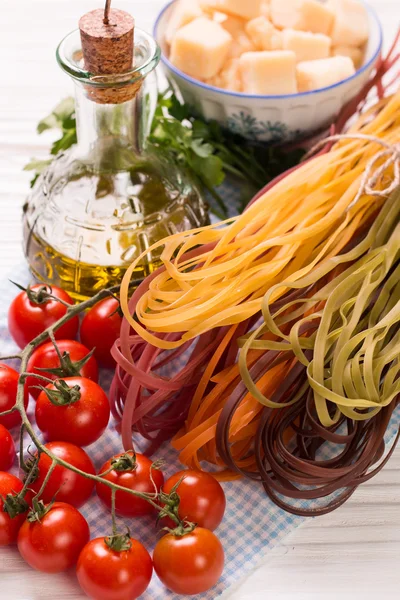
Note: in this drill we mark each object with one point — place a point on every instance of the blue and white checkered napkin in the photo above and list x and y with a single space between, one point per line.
252 524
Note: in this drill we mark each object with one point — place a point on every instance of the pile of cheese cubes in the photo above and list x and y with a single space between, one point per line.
268 47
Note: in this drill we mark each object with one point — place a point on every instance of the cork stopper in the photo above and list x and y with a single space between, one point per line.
107 38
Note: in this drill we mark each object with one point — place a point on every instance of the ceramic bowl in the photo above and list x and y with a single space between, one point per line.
277 119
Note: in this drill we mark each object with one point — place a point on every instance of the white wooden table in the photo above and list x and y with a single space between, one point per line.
351 554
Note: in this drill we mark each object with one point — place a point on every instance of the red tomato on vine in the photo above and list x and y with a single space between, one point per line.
51 539
134 472
191 563
100 328
8 396
198 497
45 361
106 573
32 312
74 410
65 485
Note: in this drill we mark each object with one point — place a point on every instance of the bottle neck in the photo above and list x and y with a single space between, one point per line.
104 131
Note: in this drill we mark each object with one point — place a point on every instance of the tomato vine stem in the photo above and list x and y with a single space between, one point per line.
9 411
46 479
10 357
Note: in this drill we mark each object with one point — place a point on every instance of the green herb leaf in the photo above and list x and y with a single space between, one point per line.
49 122
209 170
66 141
177 110
201 149
60 117
201 130
38 166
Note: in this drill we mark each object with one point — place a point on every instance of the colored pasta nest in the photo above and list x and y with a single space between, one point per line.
304 283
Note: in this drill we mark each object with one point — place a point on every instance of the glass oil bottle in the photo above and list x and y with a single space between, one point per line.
109 198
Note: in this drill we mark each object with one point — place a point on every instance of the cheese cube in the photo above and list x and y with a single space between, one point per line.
241 44
229 78
317 17
265 9
201 48
269 73
233 25
236 27
286 13
184 12
306 46
317 74
351 26
247 9
356 54
306 15
263 34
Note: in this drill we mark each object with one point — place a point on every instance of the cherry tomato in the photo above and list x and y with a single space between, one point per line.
27 319
107 574
65 485
82 422
7 449
53 543
201 499
138 479
8 396
100 328
46 357
189 564
9 484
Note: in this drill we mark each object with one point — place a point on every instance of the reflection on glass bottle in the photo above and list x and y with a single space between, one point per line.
110 197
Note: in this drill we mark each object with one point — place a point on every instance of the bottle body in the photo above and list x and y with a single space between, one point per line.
83 228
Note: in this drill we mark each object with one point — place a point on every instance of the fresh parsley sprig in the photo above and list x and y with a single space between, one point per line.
208 151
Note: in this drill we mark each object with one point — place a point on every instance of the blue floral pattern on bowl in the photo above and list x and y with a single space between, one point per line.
251 128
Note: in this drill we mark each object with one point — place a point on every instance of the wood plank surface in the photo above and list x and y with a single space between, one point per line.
352 554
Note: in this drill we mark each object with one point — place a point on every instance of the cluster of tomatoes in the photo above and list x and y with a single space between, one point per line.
42 516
